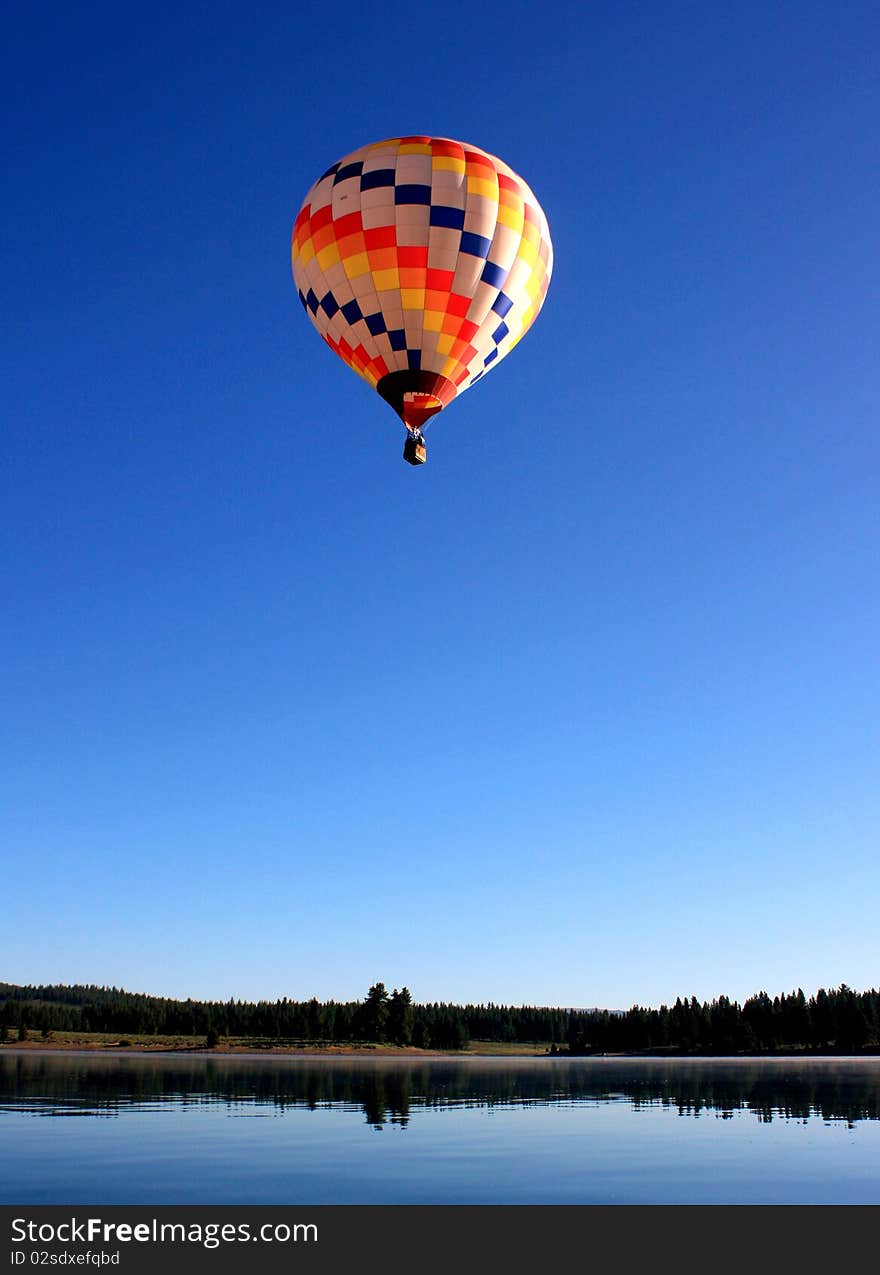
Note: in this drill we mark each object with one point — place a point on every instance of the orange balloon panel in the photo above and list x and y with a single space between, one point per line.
421 261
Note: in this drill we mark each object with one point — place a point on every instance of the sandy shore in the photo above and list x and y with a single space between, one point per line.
250 1051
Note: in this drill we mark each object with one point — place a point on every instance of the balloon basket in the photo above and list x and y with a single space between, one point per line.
414 450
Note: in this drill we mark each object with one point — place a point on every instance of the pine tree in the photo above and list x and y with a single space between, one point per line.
400 1017
375 1013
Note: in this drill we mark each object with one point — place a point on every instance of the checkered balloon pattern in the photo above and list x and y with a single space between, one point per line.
421 256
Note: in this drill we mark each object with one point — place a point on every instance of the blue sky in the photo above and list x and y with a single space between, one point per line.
583 712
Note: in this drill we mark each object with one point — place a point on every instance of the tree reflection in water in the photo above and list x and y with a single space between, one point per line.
394 1090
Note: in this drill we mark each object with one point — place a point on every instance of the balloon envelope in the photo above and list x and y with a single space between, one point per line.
421 261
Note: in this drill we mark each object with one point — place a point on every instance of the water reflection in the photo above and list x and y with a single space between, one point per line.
394 1091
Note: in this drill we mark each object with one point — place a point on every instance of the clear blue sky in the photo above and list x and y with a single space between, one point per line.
586 711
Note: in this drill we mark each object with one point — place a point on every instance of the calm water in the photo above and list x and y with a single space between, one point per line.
79 1129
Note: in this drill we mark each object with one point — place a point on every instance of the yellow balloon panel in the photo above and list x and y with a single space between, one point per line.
421 255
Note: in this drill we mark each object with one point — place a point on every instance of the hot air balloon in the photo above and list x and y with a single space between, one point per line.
421 261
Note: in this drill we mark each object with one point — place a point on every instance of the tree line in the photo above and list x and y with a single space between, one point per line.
839 1020
380 1018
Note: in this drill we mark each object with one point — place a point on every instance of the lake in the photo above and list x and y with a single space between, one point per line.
82 1128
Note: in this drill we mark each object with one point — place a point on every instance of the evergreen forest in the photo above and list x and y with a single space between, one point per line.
831 1021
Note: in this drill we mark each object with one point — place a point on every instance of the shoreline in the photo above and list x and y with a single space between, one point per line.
243 1051
397 1052
248 1051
